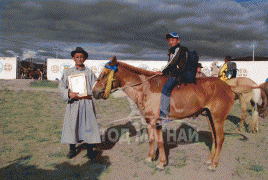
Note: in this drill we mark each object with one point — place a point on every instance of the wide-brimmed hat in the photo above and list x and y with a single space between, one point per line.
79 50
172 35
199 65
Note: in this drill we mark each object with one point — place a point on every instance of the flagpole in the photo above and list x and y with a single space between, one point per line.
253 52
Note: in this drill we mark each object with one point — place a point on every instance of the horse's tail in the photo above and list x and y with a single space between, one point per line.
257 96
244 89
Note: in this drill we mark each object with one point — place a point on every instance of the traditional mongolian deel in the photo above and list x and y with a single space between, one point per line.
80 121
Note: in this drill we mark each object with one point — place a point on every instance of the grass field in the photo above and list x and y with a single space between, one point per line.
31 124
44 83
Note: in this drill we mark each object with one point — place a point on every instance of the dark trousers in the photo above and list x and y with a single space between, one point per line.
165 96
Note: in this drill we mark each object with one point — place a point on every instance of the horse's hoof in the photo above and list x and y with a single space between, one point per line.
208 162
254 131
212 168
160 167
148 160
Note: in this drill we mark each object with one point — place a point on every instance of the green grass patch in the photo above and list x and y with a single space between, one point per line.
167 171
257 168
44 83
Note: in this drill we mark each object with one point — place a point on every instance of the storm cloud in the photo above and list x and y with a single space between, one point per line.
132 29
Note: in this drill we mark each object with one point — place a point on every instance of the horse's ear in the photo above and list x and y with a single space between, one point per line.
114 60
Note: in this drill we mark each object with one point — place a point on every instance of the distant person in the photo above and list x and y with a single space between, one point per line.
228 70
40 74
45 74
199 72
215 69
80 123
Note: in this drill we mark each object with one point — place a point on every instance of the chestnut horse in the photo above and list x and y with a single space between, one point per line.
256 96
208 94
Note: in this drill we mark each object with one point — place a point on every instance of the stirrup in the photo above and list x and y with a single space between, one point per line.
162 122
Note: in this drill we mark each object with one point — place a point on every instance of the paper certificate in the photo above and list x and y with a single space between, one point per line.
78 84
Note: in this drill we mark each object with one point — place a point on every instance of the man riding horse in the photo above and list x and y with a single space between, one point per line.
224 70
176 65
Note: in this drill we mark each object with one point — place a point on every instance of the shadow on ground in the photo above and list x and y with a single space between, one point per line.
187 134
20 170
235 120
173 137
111 135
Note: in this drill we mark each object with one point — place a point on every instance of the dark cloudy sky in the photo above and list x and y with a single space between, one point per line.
132 29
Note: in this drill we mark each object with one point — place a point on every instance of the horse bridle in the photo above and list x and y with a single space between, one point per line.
115 69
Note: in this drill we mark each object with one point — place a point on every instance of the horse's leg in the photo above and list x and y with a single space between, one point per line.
212 152
160 146
219 134
151 137
254 122
243 112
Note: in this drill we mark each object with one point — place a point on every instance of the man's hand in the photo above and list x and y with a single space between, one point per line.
73 95
159 73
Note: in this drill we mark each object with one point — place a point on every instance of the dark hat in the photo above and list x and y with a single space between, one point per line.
79 50
199 65
172 35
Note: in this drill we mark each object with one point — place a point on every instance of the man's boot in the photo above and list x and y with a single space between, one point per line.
72 151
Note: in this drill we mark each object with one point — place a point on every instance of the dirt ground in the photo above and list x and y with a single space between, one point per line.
125 146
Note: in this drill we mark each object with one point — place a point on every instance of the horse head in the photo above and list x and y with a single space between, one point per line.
107 80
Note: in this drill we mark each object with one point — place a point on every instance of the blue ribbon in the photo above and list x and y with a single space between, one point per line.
114 67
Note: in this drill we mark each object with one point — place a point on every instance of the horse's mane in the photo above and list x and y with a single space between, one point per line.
136 69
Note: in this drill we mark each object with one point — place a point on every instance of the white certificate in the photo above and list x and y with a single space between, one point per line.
78 84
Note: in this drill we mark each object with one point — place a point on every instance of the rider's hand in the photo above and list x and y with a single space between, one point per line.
159 73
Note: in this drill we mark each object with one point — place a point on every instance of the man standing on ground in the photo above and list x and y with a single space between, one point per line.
80 124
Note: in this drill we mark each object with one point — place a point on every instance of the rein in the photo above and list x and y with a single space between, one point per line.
123 88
